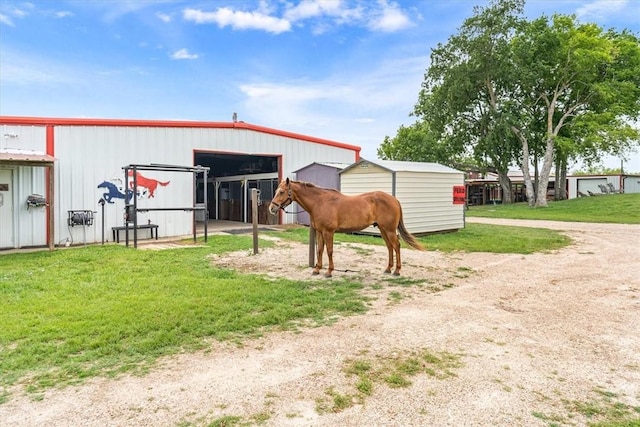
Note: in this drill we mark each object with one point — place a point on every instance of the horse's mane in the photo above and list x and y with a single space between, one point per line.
308 184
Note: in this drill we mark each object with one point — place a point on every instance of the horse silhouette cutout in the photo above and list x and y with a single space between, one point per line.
149 183
113 192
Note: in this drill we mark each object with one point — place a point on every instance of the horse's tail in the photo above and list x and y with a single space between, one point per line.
408 237
404 233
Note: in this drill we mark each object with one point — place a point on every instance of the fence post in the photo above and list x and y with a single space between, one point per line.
312 247
254 218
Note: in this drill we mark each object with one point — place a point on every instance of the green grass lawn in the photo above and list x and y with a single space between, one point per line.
75 313
611 208
100 310
472 238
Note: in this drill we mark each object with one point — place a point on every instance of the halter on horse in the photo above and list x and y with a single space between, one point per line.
331 211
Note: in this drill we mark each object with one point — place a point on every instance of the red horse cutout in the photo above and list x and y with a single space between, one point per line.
149 183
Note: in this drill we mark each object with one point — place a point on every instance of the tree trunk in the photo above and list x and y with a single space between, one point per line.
547 163
505 184
524 166
561 180
560 183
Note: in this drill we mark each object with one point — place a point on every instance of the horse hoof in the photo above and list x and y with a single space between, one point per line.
387 271
396 273
328 275
315 272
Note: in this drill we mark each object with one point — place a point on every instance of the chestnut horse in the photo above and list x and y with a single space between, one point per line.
331 211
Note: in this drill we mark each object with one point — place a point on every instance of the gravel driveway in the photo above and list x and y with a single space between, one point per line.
542 339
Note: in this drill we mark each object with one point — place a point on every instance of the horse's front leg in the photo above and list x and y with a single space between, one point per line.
328 240
319 251
394 247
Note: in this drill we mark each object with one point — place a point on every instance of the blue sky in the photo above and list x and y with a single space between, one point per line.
348 71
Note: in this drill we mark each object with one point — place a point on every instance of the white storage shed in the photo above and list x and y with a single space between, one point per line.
431 195
52 168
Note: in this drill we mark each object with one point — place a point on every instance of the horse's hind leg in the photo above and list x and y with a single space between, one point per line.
396 248
389 244
319 251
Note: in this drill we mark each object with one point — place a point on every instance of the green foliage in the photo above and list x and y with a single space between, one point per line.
598 170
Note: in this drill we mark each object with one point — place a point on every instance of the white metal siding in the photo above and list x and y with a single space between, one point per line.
358 180
88 155
427 201
31 222
632 184
23 138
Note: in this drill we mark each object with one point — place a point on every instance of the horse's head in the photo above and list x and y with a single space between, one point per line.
282 198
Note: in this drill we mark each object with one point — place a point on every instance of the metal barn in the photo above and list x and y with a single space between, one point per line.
326 175
54 172
431 195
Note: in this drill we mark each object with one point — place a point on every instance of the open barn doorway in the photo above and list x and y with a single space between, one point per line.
231 178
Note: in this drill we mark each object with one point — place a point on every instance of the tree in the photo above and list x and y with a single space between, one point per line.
417 143
412 143
506 91
576 79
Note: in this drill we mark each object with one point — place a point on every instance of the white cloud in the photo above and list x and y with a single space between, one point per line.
600 8
21 13
318 9
322 15
4 19
390 18
9 12
358 107
314 8
62 14
183 54
238 20
163 17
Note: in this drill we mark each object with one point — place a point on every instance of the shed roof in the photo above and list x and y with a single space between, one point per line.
399 166
26 159
335 165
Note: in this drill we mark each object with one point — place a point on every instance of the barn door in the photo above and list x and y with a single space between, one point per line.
6 209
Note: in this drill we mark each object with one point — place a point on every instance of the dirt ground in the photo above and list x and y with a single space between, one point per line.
543 338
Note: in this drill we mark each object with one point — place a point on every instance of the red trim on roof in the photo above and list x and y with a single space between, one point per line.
53 121
50 141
